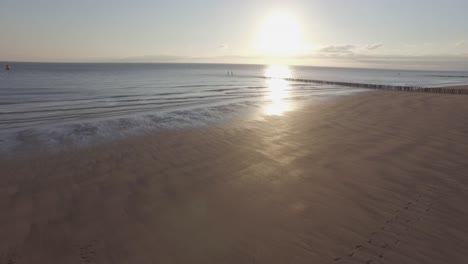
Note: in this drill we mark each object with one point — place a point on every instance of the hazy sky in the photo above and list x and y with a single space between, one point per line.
374 33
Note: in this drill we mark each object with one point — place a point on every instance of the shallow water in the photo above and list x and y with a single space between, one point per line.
54 106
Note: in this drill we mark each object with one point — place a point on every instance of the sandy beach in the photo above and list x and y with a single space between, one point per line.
375 177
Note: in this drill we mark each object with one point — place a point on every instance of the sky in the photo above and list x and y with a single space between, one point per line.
410 34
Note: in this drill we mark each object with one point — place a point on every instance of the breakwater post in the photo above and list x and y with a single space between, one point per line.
447 90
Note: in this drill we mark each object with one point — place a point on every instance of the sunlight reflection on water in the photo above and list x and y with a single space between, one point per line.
278 90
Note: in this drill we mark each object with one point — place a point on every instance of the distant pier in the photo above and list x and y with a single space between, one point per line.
442 90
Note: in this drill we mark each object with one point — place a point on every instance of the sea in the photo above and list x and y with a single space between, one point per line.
56 106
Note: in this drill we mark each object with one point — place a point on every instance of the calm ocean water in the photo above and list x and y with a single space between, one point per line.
55 106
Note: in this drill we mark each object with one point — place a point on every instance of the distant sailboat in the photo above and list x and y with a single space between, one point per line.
7 67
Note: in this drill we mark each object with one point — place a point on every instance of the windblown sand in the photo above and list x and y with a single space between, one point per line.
380 177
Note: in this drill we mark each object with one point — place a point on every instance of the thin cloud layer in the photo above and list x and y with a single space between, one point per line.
374 46
338 49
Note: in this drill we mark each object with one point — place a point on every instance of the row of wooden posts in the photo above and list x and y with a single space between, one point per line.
447 90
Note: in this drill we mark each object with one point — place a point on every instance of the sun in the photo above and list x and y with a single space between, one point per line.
279 35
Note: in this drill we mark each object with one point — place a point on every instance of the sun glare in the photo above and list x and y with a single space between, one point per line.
279 35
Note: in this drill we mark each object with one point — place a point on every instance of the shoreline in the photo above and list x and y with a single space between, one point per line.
25 154
368 176
251 112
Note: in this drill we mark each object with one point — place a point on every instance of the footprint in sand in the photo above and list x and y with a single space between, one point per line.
10 257
389 234
88 252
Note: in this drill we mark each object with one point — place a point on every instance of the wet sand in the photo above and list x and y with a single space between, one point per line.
465 87
379 177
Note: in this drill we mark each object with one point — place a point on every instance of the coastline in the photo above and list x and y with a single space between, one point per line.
371 176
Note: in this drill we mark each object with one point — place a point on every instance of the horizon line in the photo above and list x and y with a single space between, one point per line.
222 63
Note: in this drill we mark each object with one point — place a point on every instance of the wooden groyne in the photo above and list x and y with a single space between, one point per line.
447 90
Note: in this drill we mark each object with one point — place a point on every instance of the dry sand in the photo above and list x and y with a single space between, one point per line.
379 177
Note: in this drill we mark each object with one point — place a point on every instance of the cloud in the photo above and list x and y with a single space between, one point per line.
339 49
347 50
374 46
461 43
223 46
